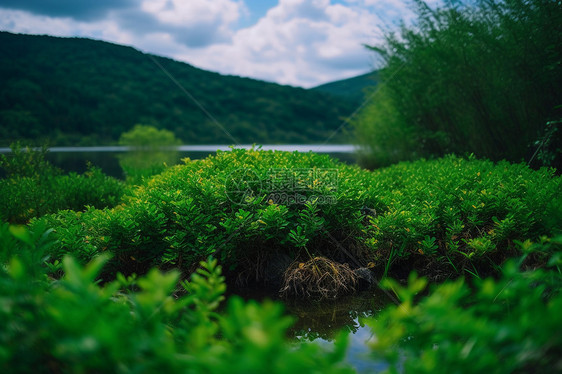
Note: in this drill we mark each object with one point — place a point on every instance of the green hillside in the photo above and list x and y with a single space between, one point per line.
71 91
351 88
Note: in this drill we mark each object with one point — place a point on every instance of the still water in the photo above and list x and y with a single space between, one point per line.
107 158
321 321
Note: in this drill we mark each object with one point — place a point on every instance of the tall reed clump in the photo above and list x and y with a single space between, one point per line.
469 76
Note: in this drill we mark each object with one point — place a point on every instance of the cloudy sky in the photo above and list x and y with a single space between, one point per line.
296 42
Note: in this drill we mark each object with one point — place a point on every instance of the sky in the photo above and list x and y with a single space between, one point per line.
297 42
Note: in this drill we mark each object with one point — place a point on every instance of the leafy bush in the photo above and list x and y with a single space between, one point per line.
191 211
35 188
470 76
27 162
456 215
442 217
501 326
79 325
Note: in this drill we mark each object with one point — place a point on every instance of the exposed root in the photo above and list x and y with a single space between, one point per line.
318 278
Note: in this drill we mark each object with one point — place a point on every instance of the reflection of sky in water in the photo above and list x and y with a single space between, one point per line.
321 322
358 352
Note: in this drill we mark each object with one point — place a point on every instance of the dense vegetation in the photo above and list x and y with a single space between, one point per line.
472 76
72 91
84 291
33 187
508 325
129 277
141 325
255 209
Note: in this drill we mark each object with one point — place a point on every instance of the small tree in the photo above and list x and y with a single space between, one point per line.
152 151
148 137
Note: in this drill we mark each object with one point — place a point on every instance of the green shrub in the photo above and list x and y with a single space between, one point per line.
144 325
443 217
35 188
27 162
498 326
193 210
459 213
467 76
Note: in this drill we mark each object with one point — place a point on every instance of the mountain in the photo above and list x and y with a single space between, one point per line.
352 88
76 91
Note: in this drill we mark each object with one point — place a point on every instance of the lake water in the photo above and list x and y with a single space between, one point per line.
106 157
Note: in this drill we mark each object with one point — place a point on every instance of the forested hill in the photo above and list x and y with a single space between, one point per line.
75 91
352 88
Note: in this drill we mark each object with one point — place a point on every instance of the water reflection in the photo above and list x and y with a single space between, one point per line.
322 321
140 164
74 159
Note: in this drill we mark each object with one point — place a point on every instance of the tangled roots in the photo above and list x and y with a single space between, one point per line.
318 278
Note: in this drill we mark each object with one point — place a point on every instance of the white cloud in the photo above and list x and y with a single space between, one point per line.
298 42
178 12
28 23
196 22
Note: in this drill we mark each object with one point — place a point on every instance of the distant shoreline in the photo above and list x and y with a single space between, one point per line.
319 148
